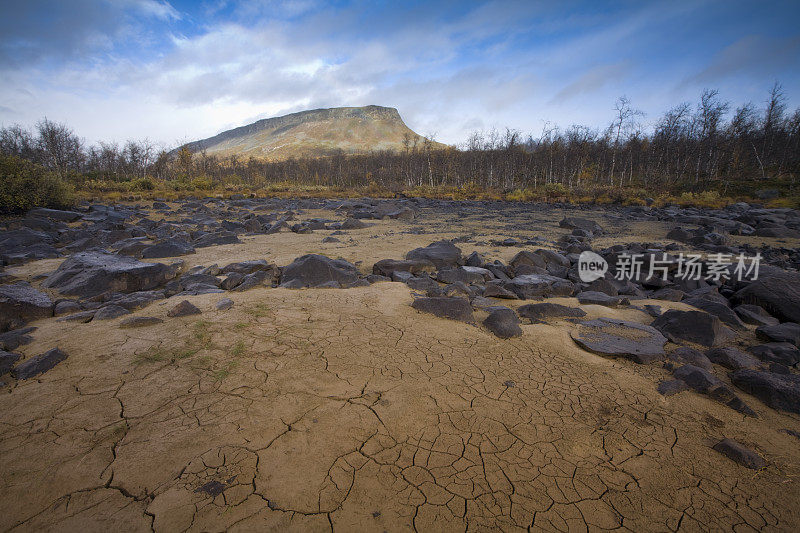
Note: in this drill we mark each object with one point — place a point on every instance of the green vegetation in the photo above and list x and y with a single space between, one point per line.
24 185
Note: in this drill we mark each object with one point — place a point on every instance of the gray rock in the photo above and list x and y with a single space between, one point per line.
453 275
453 308
7 361
777 352
778 293
539 312
779 391
386 267
139 321
668 387
224 304
171 248
19 303
613 337
65 307
690 356
693 326
732 358
740 454
110 311
314 270
537 286
185 308
754 314
503 322
786 332
442 254
601 298
718 309
581 223
705 382
38 364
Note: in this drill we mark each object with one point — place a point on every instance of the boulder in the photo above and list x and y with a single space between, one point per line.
541 311
386 267
89 274
754 314
740 454
718 309
581 223
537 286
689 356
779 391
778 293
503 322
224 304
110 311
442 254
139 321
777 352
693 326
7 361
185 308
601 298
732 358
453 308
171 248
786 332
705 382
668 387
459 274
38 364
20 302
613 337
314 270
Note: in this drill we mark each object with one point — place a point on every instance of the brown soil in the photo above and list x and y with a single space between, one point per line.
347 409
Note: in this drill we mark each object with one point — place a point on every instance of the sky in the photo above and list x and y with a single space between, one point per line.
175 71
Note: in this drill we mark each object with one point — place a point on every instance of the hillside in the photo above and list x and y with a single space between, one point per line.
313 133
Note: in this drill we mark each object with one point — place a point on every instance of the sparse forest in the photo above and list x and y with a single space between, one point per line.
692 148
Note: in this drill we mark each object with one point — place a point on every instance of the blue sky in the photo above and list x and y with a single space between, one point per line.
179 70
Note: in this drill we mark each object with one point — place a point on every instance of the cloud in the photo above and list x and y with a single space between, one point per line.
592 80
757 54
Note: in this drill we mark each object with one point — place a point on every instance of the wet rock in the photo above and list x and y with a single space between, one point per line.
732 358
669 387
20 302
779 391
453 308
613 337
314 270
693 326
139 321
741 454
777 352
224 304
38 364
88 274
778 293
541 311
185 308
442 254
110 311
503 322
786 332
7 361
754 314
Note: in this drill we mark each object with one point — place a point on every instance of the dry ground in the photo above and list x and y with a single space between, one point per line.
348 410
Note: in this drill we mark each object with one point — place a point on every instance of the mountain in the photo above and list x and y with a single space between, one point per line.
314 133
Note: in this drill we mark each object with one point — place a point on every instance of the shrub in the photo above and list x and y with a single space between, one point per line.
24 185
202 183
143 184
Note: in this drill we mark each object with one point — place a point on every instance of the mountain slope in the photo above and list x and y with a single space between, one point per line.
314 133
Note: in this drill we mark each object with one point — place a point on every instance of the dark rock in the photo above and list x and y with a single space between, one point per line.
7 361
314 270
526 258
185 308
693 326
19 303
605 286
740 454
386 267
110 311
247 267
330 239
539 312
139 321
732 358
65 307
777 352
233 280
705 382
720 310
171 248
442 254
81 317
88 274
503 322
224 304
55 214
690 356
536 286
352 223
214 239
453 308
786 332
778 293
495 290
667 294
453 275
753 314
11 340
613 337
779 391
258 278
421 283
38 364
671 386
601 298
581 223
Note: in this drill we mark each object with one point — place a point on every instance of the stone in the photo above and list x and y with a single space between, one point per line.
720 310
386 267
503 322
705 382
65 307
20 302
314 270
689 356
741 454
668 387
233 280
526 258
458 274
247 267
110 311
779 391
581 223
81 317
601 298
442 254
185 308
537 286
693 326
224 304
352 223
777 352
139 321
613 337
732 358
756 315
495 290
7 361
786 332
38 364
88 274
11 340
778 293
171 248
453 308
539 312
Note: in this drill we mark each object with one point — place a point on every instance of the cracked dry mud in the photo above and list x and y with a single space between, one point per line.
348 410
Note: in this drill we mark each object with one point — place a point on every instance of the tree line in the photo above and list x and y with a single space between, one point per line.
691 147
